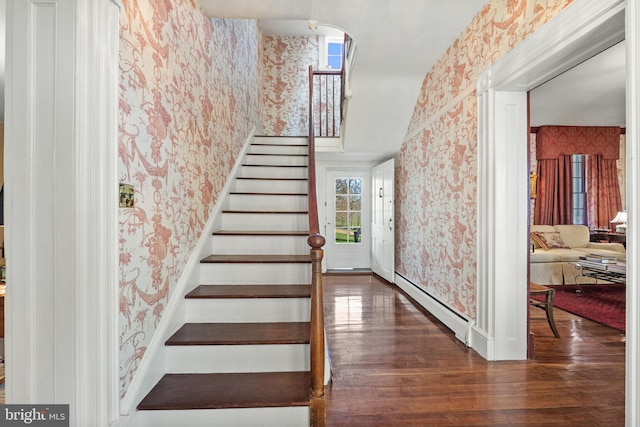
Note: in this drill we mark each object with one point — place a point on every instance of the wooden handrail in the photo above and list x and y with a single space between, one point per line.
316 241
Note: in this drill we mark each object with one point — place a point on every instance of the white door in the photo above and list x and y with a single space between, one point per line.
382 223
347 226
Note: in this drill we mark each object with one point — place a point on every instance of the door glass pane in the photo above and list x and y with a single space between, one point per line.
341 186
355 203
355 186
341 203
348 210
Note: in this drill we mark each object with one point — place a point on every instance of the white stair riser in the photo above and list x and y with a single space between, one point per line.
276 245
278 149
197 359
273 172
296 416
280 160
260 222
242 310
274 186
301 140
273 202
232 274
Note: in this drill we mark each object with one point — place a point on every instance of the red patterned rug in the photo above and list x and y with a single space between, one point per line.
601 303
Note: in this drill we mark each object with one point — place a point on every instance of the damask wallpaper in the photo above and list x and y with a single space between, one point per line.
436 169
190 93
286 83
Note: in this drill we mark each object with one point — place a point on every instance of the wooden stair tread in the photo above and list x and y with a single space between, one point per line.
275 166
250 291
229 390
241 333
280 154
257 259
272 179
278 145
264 193
259 233
264 212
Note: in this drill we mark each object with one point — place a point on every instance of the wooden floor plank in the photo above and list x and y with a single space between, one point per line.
241 333
395 366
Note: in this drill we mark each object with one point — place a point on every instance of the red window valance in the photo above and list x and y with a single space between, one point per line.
553 141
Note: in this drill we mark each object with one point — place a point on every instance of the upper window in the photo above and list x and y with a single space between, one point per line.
334 48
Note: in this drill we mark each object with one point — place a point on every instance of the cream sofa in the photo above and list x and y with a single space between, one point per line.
556 266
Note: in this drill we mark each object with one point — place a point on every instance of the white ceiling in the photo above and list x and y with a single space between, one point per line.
388 73
590 94
398 41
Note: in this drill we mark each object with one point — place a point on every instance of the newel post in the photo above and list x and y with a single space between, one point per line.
317 241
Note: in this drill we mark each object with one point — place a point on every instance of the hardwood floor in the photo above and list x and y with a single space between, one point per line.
393 365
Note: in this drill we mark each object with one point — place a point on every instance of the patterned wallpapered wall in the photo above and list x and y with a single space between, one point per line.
286 63
436 169
189 97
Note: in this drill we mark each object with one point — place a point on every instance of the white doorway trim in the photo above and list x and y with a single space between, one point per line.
632 377
61 206
583 29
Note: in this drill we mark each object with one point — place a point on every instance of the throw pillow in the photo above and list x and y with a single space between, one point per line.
548 240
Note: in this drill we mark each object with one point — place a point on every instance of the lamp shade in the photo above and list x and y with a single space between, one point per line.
620 217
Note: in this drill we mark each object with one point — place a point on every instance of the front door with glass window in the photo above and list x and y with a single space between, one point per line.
348 220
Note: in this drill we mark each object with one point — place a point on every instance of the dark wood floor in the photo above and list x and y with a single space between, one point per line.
395 366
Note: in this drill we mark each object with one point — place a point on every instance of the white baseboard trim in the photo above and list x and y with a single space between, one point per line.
458 323
481 343
152 365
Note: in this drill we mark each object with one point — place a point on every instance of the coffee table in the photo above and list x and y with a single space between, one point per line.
610 273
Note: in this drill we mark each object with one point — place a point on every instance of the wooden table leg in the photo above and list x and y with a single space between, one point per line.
551 293
547 305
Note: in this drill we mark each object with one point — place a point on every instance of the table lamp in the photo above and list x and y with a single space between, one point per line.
621 220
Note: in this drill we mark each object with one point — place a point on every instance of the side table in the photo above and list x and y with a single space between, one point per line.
608 237
546 305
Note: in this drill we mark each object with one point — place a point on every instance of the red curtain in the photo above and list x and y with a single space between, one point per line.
554 147
553 197
603 192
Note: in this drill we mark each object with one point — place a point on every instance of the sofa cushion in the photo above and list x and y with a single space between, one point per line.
615 254
567 255
540 228
574 236
549 240
610 246
543 256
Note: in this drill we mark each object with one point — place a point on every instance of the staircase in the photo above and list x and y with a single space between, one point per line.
242 357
